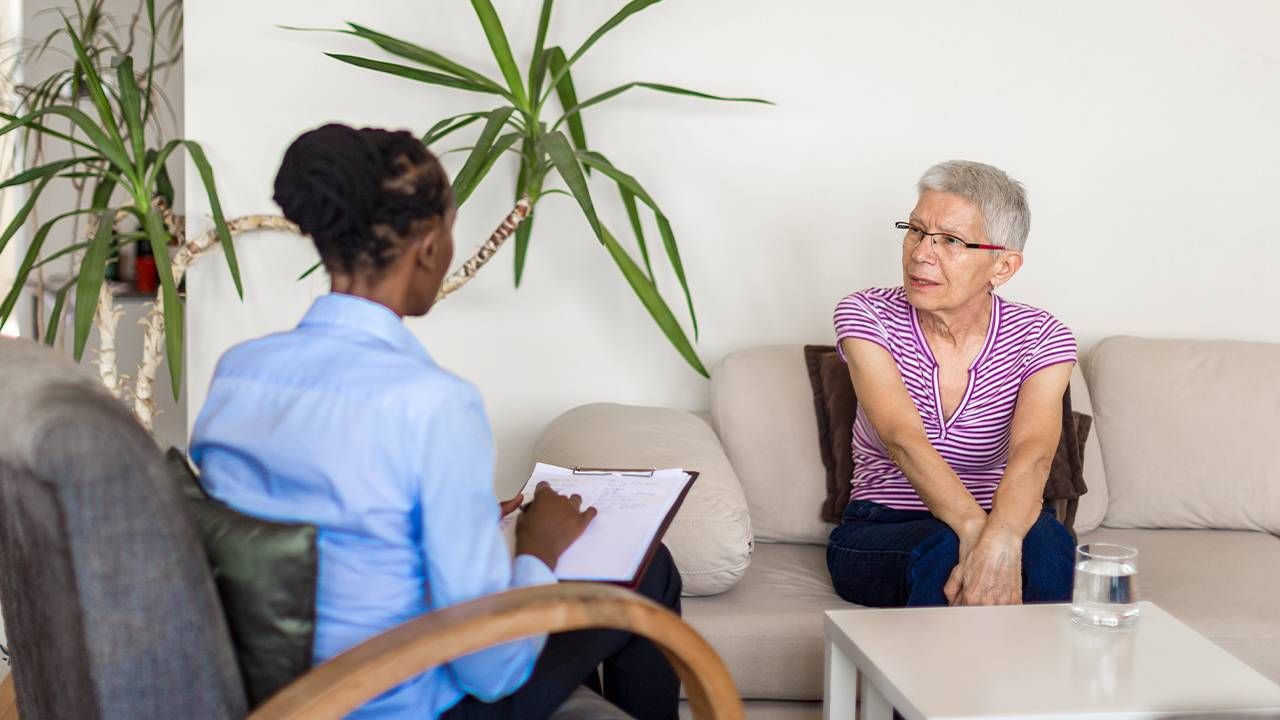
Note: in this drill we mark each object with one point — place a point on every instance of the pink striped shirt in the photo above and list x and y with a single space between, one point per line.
1021 341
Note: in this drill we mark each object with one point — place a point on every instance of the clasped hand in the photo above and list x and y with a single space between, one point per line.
989 571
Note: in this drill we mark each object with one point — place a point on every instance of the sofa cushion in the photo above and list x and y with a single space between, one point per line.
836 405
1188 432
762 406
710 537
1219 582
768 628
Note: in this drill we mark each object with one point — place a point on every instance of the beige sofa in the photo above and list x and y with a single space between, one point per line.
1183 463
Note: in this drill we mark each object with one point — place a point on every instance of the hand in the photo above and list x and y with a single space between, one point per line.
506 507
551 524
991 573
969 532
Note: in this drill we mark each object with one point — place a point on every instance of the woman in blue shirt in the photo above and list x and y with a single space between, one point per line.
347 423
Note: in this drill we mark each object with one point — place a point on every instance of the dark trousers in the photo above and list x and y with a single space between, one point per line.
882 557
636 676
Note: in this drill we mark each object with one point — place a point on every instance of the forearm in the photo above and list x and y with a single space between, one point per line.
1020 497
937 484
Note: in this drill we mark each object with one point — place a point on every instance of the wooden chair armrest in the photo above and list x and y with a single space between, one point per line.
360 674
8 699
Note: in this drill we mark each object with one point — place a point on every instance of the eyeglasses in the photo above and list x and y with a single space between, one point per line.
944 242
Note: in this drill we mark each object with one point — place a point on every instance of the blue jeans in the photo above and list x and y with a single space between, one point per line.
882 557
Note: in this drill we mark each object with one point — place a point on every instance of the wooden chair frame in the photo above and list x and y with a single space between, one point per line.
335 688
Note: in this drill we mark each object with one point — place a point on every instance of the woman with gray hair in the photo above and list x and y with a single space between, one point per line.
959 411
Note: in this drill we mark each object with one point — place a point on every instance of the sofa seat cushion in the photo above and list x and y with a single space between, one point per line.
768 628
1222 583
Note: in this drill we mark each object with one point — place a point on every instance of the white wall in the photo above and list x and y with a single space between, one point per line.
1145 131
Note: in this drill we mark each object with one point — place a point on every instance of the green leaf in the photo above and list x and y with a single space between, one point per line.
637 227
536 64
55 315
673 254
566 163
94 84
653 302
42 129
196 153
111 148
572 111
528 182
411 73
90 278
163 183
21 217
43 171
173 325
309 271
422 56
627 11
568 96
497 38
467 175
29 261
631 185
444 128
523 232
502 145
131 108
102 193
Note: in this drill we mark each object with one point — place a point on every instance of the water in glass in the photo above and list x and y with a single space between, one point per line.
1106 586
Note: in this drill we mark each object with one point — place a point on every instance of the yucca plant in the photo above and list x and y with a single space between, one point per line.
546 149
112 154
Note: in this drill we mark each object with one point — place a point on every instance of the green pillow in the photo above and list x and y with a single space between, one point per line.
266 577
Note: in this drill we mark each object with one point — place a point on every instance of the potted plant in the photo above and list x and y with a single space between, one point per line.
550 145
105 99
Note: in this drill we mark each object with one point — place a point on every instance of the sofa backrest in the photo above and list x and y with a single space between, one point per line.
762 408
1188 430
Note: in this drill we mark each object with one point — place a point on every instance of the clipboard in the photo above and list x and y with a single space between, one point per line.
662 531
625 523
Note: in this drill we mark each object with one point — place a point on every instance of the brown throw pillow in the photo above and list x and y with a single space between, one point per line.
836 407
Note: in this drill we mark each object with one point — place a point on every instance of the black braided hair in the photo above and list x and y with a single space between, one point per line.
358 193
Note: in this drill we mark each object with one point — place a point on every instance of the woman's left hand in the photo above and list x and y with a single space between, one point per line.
991 573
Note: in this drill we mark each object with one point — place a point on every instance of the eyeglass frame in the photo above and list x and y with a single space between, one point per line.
904 225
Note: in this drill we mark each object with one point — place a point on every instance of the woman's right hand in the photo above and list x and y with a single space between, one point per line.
969 532
550 524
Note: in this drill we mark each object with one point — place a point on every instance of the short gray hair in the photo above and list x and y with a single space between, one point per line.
1006 218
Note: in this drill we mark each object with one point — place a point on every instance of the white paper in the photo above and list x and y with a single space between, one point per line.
630 510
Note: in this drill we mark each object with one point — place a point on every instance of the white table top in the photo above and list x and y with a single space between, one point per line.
1031 661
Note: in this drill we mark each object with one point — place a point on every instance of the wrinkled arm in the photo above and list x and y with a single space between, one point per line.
991 574
1033 440
883 396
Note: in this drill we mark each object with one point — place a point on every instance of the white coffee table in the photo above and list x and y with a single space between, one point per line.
1030 661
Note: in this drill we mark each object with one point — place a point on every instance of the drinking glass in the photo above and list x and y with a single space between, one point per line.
1106 586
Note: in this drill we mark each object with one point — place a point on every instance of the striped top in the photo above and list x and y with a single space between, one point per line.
1021 341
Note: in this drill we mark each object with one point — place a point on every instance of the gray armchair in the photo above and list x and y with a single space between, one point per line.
111 610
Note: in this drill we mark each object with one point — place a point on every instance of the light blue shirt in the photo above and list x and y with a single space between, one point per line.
347 423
